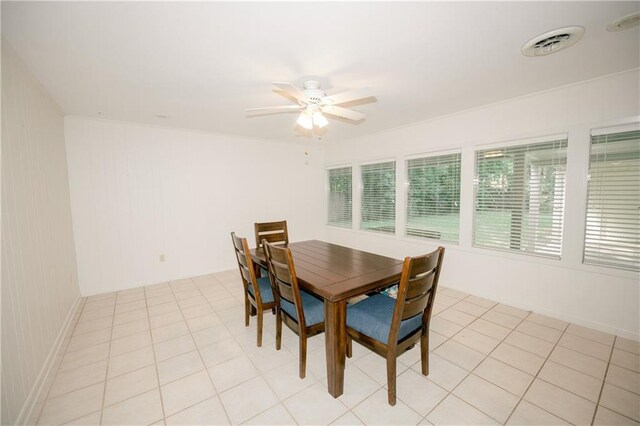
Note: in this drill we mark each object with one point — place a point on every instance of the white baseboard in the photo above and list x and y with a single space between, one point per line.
47 370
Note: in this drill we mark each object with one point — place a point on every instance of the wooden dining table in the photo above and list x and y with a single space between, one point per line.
336 274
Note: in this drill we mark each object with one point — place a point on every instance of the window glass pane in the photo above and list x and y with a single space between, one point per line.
378 211
433 199
612 236
339 212
519 198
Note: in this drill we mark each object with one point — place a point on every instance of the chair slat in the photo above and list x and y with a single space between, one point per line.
273 232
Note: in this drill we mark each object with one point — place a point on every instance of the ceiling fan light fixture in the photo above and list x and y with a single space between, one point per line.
319 120
304 120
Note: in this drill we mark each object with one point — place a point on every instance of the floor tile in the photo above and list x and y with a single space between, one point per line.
480 301
196 311
606 417
84 356
93 325
572 380
285 382
169 332
548 334
166 319
235 400
207 412
130 384
232 372
454 411
487 397
348 419
72 405
130 343
628 345
585 346
88 420
589 333
548 321
560 402
202 322
130 361
475 340
376 410
358 386
502 319
529 343
314 405
375 367
625 359
163 309
276 415
460 354
444 327
418 392
67 381
188 391
170 348
268 358
623 378
457 317
504 375
141 409
511 310
83 341
522 360
621 401
442 372
125 317
489 328
179 366
528 414
578 361
211 335
220 352
470 308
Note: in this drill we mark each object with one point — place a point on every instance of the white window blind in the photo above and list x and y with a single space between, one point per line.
433 198
519 198
612 236
378 203
340 201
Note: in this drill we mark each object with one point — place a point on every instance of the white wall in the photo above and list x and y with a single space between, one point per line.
602 298
39 278
138 192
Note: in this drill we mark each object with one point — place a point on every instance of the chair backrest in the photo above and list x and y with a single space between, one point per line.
283 277
273 232
417 289
245 264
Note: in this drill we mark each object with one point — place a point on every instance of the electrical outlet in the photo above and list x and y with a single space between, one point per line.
162 258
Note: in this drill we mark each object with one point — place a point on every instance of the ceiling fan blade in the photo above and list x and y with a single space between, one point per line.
290 90
342 112
349 95
282 108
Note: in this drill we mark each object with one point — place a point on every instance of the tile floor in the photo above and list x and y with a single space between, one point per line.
179 353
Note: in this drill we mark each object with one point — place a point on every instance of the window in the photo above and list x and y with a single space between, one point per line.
519 198
433 199
339 212
612 236
378 207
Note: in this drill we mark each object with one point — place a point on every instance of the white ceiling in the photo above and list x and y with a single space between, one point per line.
202 63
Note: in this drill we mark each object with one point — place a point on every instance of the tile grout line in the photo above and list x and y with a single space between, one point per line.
604 380
155 359
106 373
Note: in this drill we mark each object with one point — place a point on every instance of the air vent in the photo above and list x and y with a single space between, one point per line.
552 41
628 21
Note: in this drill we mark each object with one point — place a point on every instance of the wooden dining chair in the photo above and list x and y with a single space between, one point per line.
302 312
258 294
273 232
390 327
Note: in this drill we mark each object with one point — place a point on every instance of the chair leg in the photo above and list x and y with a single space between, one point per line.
424 353
391 378
303 356
246 311
349 347
259 327
278 330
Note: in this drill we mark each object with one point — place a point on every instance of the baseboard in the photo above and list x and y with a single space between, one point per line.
49 367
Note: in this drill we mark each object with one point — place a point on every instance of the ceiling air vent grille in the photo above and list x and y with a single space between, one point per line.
552 41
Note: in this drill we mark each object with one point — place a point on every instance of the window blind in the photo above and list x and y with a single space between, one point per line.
340 201
433 197
612 236
378 202
519 198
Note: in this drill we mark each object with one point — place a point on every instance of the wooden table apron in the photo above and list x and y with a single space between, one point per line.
337 273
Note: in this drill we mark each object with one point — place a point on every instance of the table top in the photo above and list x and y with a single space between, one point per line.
337 273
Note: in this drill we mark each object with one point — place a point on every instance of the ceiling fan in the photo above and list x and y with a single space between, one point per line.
313 102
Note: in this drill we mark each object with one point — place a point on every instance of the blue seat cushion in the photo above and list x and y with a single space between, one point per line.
372 316
265 289
264 272
312 307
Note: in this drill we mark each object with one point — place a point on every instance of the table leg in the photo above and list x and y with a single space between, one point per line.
335 337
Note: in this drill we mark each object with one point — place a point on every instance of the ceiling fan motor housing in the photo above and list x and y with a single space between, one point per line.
312 92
